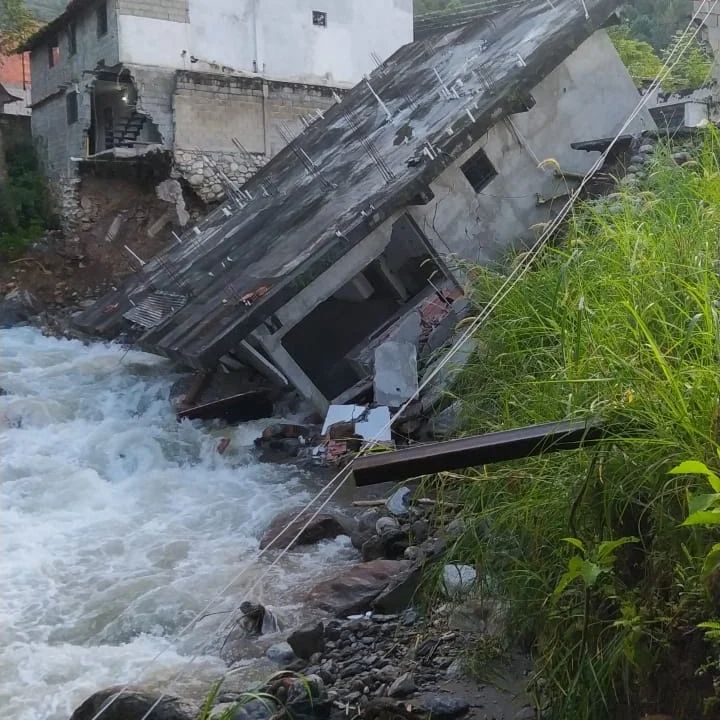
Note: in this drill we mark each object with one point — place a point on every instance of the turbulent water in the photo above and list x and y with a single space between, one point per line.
118 525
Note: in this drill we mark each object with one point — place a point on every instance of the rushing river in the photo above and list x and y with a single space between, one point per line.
118 525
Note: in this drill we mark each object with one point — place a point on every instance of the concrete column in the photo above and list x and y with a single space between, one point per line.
282 358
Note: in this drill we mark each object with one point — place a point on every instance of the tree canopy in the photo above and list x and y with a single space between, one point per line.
17 22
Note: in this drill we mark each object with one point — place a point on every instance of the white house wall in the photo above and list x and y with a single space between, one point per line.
275 38
574 103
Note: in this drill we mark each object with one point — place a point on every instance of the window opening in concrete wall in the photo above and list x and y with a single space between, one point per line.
102 19
326 344
71 107
72 38
479 171
53 52
319 18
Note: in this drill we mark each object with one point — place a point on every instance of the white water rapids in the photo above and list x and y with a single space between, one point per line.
118 525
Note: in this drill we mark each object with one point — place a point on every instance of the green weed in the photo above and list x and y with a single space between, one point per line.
620 322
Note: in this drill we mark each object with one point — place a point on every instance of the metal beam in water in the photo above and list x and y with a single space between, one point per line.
467 452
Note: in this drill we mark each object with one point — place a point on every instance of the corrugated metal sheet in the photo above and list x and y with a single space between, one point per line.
155 308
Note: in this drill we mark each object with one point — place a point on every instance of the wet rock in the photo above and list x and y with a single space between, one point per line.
403 686
458 580
399 502
681 157
133 704
386 525
281 654
355 588
400 592
455 529
445 707
17 308
646 149
325 526
420 530
390 545
308 640
367 520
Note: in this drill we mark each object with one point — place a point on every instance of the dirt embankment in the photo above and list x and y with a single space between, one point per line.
66 272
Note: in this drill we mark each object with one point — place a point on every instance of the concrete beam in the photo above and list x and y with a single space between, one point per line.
295 374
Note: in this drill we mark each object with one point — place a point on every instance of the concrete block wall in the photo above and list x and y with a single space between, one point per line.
212 109
172 10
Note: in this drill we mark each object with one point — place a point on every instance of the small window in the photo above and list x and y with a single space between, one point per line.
479 171
72 39
53 52
319 18
71 107
102 19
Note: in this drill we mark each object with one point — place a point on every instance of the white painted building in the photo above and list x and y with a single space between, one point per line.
196 77
304 41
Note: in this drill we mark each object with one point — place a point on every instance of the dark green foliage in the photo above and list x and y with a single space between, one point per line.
656 21
26 209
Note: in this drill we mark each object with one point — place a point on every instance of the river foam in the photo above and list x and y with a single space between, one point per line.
118 525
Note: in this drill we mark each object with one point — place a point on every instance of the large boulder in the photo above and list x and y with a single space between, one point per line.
325 526
355 589
308 640
133 704
17 308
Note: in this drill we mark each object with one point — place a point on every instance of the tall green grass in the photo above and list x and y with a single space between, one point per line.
621 322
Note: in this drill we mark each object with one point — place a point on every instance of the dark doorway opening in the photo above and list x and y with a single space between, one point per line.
376 297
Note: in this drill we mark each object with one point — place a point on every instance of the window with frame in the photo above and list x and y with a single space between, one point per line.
479 171
72 39
53 52
102 19
319 18
71 107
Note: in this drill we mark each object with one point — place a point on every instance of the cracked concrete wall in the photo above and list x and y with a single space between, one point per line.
155 89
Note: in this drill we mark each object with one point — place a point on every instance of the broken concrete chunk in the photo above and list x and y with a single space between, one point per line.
370 423
396 378
458 580
399 502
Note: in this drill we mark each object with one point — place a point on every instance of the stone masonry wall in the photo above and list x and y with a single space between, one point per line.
212 109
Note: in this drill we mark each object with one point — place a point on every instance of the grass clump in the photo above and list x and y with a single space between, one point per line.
622 322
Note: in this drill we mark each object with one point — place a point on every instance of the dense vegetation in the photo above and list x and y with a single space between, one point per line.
588 548
26 209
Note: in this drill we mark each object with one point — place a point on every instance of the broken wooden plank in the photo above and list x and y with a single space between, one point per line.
478 450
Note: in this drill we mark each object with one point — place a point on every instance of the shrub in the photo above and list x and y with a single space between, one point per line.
26 209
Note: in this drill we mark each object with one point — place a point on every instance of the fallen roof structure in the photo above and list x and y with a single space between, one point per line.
350 190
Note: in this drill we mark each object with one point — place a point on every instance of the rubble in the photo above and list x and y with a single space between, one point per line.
396 375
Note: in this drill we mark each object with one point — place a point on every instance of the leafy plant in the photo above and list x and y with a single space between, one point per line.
588 566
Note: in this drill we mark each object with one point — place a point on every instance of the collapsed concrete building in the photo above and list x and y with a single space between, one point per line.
355 235
213 83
